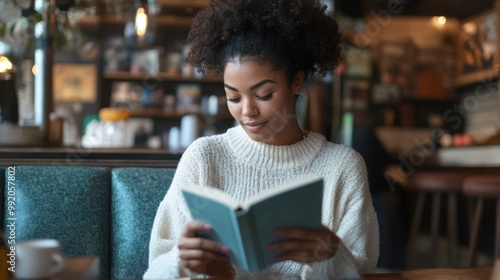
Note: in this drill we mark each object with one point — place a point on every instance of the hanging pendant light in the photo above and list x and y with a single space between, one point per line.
141 24
139 31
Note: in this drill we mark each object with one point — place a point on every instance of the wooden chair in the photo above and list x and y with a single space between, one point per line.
482 187
436 184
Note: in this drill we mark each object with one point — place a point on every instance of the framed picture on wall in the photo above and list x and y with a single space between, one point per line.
397 65
145 61
359 62
478 58
75 82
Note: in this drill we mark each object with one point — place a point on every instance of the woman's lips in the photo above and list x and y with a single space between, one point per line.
255 127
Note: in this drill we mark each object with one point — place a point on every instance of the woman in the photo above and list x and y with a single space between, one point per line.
266 51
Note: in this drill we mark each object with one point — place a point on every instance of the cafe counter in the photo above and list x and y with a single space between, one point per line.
472 156
16 156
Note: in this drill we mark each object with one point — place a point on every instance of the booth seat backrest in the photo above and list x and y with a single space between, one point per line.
69 204
136 195
91 211
2 190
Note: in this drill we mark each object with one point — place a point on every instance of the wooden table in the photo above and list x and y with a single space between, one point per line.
88 268
477 273
79 268
377 276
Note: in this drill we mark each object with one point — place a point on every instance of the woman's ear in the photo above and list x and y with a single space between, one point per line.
298 82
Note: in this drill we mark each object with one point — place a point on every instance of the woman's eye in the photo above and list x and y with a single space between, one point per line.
233 100
265 97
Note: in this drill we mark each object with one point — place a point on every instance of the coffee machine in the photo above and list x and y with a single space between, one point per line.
35 134
11 134
9 106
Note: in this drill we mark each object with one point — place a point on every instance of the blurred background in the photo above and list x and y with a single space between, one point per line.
417 90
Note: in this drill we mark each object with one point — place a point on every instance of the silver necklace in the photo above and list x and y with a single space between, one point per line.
305 133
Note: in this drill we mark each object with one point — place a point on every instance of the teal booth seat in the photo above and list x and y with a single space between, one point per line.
91 211
136 194
70 204
2 188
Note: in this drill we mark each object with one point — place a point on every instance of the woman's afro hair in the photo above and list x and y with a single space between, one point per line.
297 34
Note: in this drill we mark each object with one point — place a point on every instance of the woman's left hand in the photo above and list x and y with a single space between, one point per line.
305 245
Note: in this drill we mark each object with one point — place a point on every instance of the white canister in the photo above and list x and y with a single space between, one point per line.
174 138
189 130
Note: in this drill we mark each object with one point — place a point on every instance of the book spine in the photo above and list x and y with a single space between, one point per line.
251 246
242 258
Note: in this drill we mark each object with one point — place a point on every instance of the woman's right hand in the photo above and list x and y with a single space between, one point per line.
202 255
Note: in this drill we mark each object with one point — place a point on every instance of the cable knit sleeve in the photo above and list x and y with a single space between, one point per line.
171 219
354 222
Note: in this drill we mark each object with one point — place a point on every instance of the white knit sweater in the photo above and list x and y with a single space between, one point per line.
242 168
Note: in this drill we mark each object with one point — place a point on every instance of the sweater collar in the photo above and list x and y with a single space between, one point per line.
272 156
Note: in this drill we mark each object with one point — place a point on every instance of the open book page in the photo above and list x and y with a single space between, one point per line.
213 194
247 233
285 187
299 207
207 208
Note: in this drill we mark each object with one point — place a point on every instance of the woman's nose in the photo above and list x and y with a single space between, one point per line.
249 108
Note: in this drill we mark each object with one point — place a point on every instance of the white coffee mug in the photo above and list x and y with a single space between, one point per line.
38 259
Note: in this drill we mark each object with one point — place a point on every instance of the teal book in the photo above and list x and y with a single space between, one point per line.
248 228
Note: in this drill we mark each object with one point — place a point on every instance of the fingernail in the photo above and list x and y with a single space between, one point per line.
225 249
278 233
272 248
207 227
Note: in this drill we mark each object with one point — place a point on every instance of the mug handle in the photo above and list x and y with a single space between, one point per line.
59 264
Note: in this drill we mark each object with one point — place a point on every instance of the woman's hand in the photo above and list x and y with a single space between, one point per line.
305 245
202 255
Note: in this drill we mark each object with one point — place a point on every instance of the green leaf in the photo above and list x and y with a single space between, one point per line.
3 29
37 17
59 41
12 26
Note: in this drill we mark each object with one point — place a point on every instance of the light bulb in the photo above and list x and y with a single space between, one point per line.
5 64
141 22
442 20
439 21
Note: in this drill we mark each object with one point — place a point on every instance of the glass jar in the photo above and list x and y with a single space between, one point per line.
110 131
114 126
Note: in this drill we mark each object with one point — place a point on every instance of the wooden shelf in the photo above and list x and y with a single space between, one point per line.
94 21
430 99
416 100
88 21
124 75
174 21
160 113
172 114
194 4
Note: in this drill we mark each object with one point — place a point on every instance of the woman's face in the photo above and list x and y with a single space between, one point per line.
262 101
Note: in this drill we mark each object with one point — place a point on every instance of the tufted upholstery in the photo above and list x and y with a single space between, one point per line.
92 211
70 204
136 194
2 188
